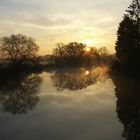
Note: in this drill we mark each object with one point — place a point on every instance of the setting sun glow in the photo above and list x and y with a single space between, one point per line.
89 42
87 49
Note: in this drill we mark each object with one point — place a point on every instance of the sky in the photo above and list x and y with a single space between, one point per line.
49 22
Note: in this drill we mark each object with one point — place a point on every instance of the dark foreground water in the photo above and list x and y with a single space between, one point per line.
70 104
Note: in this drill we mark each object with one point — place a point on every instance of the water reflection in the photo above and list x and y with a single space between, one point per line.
18 92
78 79
127 92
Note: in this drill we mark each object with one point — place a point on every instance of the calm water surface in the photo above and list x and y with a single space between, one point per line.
70 104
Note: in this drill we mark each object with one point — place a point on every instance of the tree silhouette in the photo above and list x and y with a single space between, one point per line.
69 54
128 37
78 54
18 48
70 49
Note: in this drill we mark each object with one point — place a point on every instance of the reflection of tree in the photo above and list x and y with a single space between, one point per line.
18 93
77 79
128 106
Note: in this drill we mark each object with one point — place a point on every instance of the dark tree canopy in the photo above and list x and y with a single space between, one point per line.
18 48
78 54
128 36
134 10
69 54
71 49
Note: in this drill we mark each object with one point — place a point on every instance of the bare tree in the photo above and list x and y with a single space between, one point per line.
103 51
18 48
70 49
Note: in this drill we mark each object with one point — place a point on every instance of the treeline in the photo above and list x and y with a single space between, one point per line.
78 54
20 50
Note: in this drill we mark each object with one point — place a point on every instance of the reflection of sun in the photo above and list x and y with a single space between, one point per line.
87 72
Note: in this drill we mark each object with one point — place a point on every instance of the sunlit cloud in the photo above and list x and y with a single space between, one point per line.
92 22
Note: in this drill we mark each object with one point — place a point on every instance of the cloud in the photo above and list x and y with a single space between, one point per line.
53 21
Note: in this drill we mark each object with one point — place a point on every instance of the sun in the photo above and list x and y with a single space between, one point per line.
87 49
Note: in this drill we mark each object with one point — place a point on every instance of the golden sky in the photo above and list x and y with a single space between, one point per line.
94 22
